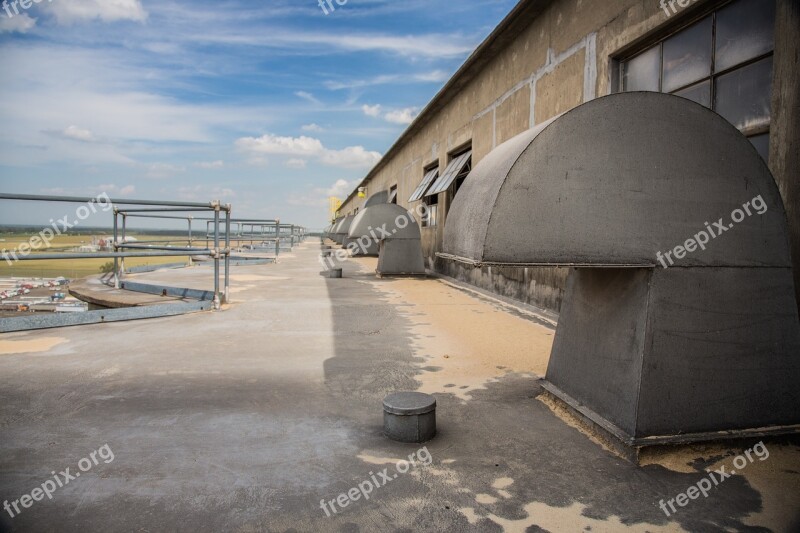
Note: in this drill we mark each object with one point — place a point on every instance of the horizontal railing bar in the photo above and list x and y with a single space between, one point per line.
175 217
176 239
246 220
165 248
165 210
91 199
110 255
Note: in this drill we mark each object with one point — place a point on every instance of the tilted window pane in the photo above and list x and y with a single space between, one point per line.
687 56
700 93
745 29
453 169
761 142
423 186
642 73
743 96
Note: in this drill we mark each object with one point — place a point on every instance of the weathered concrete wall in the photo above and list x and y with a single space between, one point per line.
539 286
563 56
784 149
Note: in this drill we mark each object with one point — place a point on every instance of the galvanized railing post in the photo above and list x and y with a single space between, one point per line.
116 247
216 255
124 241
227 252
277 238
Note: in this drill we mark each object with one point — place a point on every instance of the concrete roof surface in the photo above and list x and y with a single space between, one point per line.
245 419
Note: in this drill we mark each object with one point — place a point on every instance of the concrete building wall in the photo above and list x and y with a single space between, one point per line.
546 58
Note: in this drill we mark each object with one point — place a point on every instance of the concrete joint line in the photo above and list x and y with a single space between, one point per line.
588 43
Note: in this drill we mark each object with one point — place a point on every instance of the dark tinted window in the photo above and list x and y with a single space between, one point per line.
745 30
700 93
743 96
642 73
687 56
723 61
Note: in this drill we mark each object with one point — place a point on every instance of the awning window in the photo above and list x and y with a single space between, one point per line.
453 170
426 182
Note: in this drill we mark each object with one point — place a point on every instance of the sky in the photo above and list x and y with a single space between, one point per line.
272 106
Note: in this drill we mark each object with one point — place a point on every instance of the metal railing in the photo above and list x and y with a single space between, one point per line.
153 209
219 236
251 231
263 232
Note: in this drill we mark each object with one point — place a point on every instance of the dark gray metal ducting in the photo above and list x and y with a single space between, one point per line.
377 198
710 344
372 247
398 235
360 240
334 228
341 230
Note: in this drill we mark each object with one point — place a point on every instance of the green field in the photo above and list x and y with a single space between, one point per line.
74 268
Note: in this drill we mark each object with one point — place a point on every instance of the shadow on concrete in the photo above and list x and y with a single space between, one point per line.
502 433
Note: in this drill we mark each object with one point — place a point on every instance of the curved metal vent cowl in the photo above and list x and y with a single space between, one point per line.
377 198
651 354
341 229
614 181
392 233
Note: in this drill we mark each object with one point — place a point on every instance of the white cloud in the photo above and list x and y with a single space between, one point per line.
436 76
205 193
341 188
296 163
316 128
402 116
397 116
210 164
78 134
128 114
371 110
351 157
307 97
257 161
435 46
356 157
113 189
272 144
318 197
18 23
160 171
411 45
70 11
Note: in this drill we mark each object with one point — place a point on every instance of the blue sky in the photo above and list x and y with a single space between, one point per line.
271 106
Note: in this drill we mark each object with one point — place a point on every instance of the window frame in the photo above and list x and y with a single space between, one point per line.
431 217
438 186
419 192
619 62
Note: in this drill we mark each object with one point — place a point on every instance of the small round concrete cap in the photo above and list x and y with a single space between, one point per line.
409 403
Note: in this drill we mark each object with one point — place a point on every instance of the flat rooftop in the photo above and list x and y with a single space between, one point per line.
247 418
